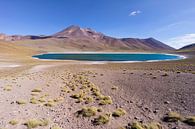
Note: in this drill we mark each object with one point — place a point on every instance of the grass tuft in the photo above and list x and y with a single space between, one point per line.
172 117
7 88
21 102
35 93
119 112
42 99
102 119
190 120
81 94
36 90
87 111
136 125
34 101
59 99
13 122
88 99
114 88
50 103
105 100
165 75
33 123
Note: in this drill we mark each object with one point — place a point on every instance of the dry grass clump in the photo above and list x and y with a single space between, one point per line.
114 88
95 89
35 93
58 99
102 119
50 103
87 111
81 94
173 117
7 88
21 102
136 125
99 109
154 77
190 120
65 89
178 72
36 90
88 99
34 100
105 100
42 99
13 122
193 72
119 112
97 94
165 75
33 123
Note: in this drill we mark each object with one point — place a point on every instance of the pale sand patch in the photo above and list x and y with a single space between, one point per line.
38 68
8 65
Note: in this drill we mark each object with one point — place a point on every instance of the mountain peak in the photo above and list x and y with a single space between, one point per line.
78 32
73 27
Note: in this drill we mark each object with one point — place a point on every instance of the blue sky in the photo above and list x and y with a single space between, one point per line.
170 21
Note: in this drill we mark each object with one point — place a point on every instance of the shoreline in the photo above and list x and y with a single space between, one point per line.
180 57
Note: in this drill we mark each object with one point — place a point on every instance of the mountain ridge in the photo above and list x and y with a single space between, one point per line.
188 47
89 38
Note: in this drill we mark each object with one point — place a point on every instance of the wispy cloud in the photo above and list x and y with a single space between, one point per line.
182 40
134 13
174 26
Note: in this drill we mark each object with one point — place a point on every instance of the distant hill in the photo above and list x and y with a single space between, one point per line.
20 37
188 47
77 38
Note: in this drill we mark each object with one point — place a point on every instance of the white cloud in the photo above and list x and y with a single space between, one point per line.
181 41
134 13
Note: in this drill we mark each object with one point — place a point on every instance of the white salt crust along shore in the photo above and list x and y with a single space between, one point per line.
7 65
105 62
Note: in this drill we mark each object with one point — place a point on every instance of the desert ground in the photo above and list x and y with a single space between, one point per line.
82 95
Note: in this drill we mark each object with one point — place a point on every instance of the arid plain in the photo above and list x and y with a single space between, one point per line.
84 95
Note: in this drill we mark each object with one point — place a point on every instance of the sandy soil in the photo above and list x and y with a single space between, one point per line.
141 89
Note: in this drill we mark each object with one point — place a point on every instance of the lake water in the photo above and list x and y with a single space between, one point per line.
133 57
